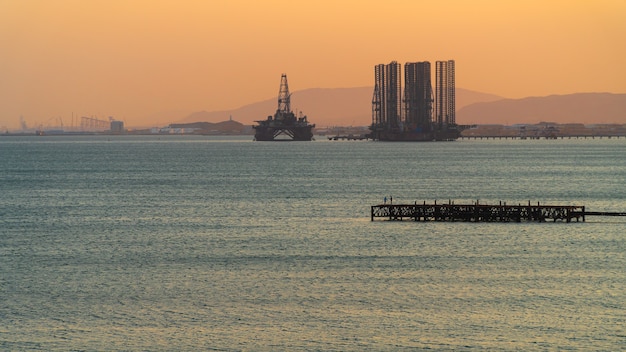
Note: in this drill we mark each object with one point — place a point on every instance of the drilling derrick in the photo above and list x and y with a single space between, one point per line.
376 112
387 99
418 96
445 101
284 122
284 97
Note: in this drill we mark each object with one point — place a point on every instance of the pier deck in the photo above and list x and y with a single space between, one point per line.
483 212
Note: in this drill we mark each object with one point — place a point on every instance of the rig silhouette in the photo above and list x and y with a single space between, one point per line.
284 122
416 122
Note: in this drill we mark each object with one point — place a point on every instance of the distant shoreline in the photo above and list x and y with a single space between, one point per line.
521 131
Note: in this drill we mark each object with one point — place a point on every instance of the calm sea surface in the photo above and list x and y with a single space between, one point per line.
207 243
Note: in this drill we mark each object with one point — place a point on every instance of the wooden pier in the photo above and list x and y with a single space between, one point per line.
483 212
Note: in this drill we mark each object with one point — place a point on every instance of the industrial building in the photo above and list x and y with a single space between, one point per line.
117 126
408 115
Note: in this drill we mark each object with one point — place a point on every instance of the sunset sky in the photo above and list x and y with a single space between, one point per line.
132 59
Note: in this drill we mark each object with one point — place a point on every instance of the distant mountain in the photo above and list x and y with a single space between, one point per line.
323 107
352 107
585 108
465 97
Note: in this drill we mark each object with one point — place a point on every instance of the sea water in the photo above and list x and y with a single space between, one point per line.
222 243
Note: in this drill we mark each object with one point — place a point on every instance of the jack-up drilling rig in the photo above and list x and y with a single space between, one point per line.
284 122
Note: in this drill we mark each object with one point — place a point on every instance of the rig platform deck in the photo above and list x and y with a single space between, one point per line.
483 212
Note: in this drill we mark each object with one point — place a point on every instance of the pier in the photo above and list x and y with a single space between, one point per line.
573 136
484 212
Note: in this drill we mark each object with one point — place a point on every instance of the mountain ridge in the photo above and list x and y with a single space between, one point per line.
585 108
352 107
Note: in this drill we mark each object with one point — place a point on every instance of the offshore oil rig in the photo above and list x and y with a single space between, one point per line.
416 122
284 122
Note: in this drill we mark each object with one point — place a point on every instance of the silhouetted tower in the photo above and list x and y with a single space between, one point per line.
284 122
418 96
284 98
445 105
387 100
376 107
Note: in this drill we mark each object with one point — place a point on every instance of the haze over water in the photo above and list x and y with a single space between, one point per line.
209 243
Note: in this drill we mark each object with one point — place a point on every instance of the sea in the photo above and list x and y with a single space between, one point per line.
207 243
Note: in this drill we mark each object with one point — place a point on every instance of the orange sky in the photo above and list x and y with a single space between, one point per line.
133 59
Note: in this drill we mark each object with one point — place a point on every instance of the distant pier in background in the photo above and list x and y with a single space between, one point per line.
544 137
544 130
476 212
